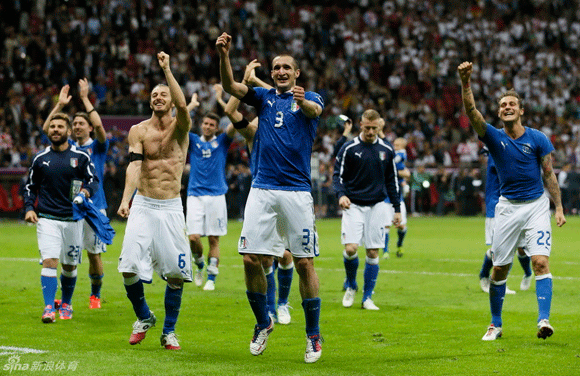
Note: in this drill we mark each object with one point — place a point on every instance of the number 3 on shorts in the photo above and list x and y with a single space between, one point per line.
306 242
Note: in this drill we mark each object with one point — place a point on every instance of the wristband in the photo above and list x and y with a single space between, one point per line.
241 124
88 113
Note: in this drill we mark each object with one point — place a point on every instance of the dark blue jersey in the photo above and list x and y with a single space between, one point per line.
285 137
56 178
366 173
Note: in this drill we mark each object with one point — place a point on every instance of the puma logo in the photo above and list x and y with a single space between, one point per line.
46 163
271 103
358 154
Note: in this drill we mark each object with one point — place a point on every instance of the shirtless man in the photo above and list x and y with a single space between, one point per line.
155 234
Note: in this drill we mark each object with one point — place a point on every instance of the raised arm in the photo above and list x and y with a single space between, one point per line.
133 170
309 108
231 87
63 100
477 121
250 77
552 184
193 103
177 96
94 117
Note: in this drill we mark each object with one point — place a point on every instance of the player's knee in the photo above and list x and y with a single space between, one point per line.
68 268
303 265
267 262
350 249
540 265
252 262
195 237
175 283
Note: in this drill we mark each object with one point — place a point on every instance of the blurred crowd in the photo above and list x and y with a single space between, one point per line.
397 56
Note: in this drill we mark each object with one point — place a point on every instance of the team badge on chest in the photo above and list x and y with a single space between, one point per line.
382 155
294 106
74 162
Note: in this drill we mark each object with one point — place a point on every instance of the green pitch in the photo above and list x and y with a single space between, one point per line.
431 320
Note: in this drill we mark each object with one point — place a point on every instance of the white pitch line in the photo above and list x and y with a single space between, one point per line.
470 275
11 350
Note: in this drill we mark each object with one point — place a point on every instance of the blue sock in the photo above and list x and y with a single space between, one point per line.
386 249
172 306
49 285
259 307
351 267
284 284
401 234
312 315
271 291
136 295
496 296
211 277
486 266
370 274
526 265
67 285
544 296
96 283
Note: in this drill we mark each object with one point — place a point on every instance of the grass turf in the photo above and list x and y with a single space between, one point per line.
431 321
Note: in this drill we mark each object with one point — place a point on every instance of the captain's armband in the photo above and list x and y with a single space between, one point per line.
135 157
241 124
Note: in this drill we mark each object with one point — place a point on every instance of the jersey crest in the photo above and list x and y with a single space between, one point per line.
74 162
294 107
382 155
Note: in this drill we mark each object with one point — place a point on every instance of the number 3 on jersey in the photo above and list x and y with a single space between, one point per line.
279 119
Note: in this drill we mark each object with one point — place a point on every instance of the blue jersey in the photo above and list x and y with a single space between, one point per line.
207 176
56 177
366 173
285 138
491 188
98 153
518 162
400 159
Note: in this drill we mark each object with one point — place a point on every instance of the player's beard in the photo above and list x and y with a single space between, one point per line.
58 141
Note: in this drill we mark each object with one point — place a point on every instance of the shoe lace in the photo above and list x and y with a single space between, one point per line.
315 341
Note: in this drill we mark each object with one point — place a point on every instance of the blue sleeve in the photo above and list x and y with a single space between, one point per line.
336 175
341 141
392 185
314 97
254 97
102 147
31 188
91 181
225 140
545 146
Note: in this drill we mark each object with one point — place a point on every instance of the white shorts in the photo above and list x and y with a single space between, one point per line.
60 240
155 239
391 214
521 224
91 241
365 224
207 215
274 215
489 223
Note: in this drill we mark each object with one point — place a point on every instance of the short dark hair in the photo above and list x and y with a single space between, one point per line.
294 62
213 116
511 93
61 116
